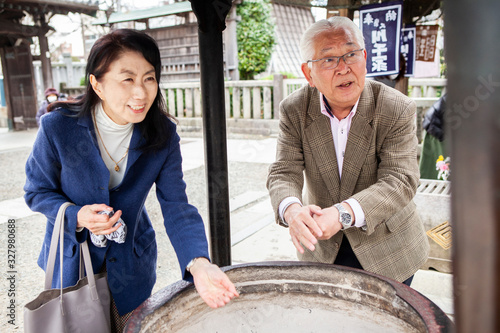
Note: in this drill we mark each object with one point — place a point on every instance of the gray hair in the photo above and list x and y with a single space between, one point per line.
333 23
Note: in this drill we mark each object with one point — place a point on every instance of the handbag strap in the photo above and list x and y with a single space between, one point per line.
85 253
58 230
89 270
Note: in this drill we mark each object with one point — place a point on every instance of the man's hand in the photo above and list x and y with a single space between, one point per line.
328 222
212 284
303 229
98 224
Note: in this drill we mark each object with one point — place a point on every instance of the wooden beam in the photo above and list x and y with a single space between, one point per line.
44 6
11 28
44 50
473 120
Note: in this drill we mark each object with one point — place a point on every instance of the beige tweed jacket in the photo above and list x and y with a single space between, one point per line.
380 171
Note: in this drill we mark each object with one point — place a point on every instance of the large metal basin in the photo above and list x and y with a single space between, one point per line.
294 297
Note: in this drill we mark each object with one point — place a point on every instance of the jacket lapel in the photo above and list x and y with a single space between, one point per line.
358 142
318 134
135 142
102 171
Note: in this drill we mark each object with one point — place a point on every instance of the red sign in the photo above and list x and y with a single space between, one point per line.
426 42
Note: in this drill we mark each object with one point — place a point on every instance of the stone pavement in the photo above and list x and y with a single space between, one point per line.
254 235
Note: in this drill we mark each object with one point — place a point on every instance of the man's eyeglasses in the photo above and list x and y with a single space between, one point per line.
332 62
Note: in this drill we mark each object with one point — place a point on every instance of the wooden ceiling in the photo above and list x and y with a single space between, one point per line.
413 8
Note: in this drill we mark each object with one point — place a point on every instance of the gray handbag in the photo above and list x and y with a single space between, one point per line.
82 308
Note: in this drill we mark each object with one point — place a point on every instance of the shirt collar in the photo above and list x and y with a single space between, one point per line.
107 124
327 111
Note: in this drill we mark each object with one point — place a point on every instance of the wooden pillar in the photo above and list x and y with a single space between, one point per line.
473 120
231 45
44 53
346 12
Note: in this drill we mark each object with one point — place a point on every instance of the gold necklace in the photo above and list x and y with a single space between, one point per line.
117 168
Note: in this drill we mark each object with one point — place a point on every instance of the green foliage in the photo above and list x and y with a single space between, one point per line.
256 37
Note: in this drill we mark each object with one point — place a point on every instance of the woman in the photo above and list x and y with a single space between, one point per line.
103 152
51 95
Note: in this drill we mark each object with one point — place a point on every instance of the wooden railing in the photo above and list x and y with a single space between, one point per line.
259 99
427 87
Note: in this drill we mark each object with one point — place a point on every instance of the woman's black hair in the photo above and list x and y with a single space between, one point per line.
105 51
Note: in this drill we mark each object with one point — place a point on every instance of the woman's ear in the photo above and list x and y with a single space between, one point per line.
96 86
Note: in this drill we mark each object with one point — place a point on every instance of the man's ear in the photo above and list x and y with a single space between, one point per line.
96 86
307 73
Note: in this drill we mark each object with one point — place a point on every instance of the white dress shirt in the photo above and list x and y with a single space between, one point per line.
340 132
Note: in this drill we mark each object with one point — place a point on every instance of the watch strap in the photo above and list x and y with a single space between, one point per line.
343 211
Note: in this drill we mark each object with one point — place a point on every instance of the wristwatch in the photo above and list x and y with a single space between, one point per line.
191 263
344 217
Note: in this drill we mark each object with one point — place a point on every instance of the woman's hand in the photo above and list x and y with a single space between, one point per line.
212 284
98 224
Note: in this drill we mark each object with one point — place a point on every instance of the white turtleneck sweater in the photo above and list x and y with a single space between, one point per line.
116 140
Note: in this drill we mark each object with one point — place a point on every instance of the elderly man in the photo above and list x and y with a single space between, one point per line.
355 142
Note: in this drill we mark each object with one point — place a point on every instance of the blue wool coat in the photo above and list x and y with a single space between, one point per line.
66 165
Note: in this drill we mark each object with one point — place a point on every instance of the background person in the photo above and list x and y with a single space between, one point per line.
104 152
51 96
355 142
433 144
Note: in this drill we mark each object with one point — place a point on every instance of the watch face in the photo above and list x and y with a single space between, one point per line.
346 219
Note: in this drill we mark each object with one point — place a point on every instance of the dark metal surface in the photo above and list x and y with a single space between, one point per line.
254 279
473 120
211 22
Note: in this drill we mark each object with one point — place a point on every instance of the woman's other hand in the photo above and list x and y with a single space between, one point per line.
212 283
98 224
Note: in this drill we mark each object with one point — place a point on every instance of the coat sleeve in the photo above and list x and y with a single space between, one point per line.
285 178
397 173
183 223
43 191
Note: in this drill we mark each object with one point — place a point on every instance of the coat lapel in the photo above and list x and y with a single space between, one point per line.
358 142
135 142
88 124
318 134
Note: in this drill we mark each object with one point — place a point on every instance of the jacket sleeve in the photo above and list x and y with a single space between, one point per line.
397 174
183 223
43 191
286 177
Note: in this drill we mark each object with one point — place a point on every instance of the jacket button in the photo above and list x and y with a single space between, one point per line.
336 245
112 259
101 188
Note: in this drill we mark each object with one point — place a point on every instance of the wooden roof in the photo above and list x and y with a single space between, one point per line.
12 11
413 8
34 7
143 14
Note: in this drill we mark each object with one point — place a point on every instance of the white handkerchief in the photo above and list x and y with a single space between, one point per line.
117 236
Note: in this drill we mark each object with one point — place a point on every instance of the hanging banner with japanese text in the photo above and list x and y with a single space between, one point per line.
381 28
408 48
426 42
